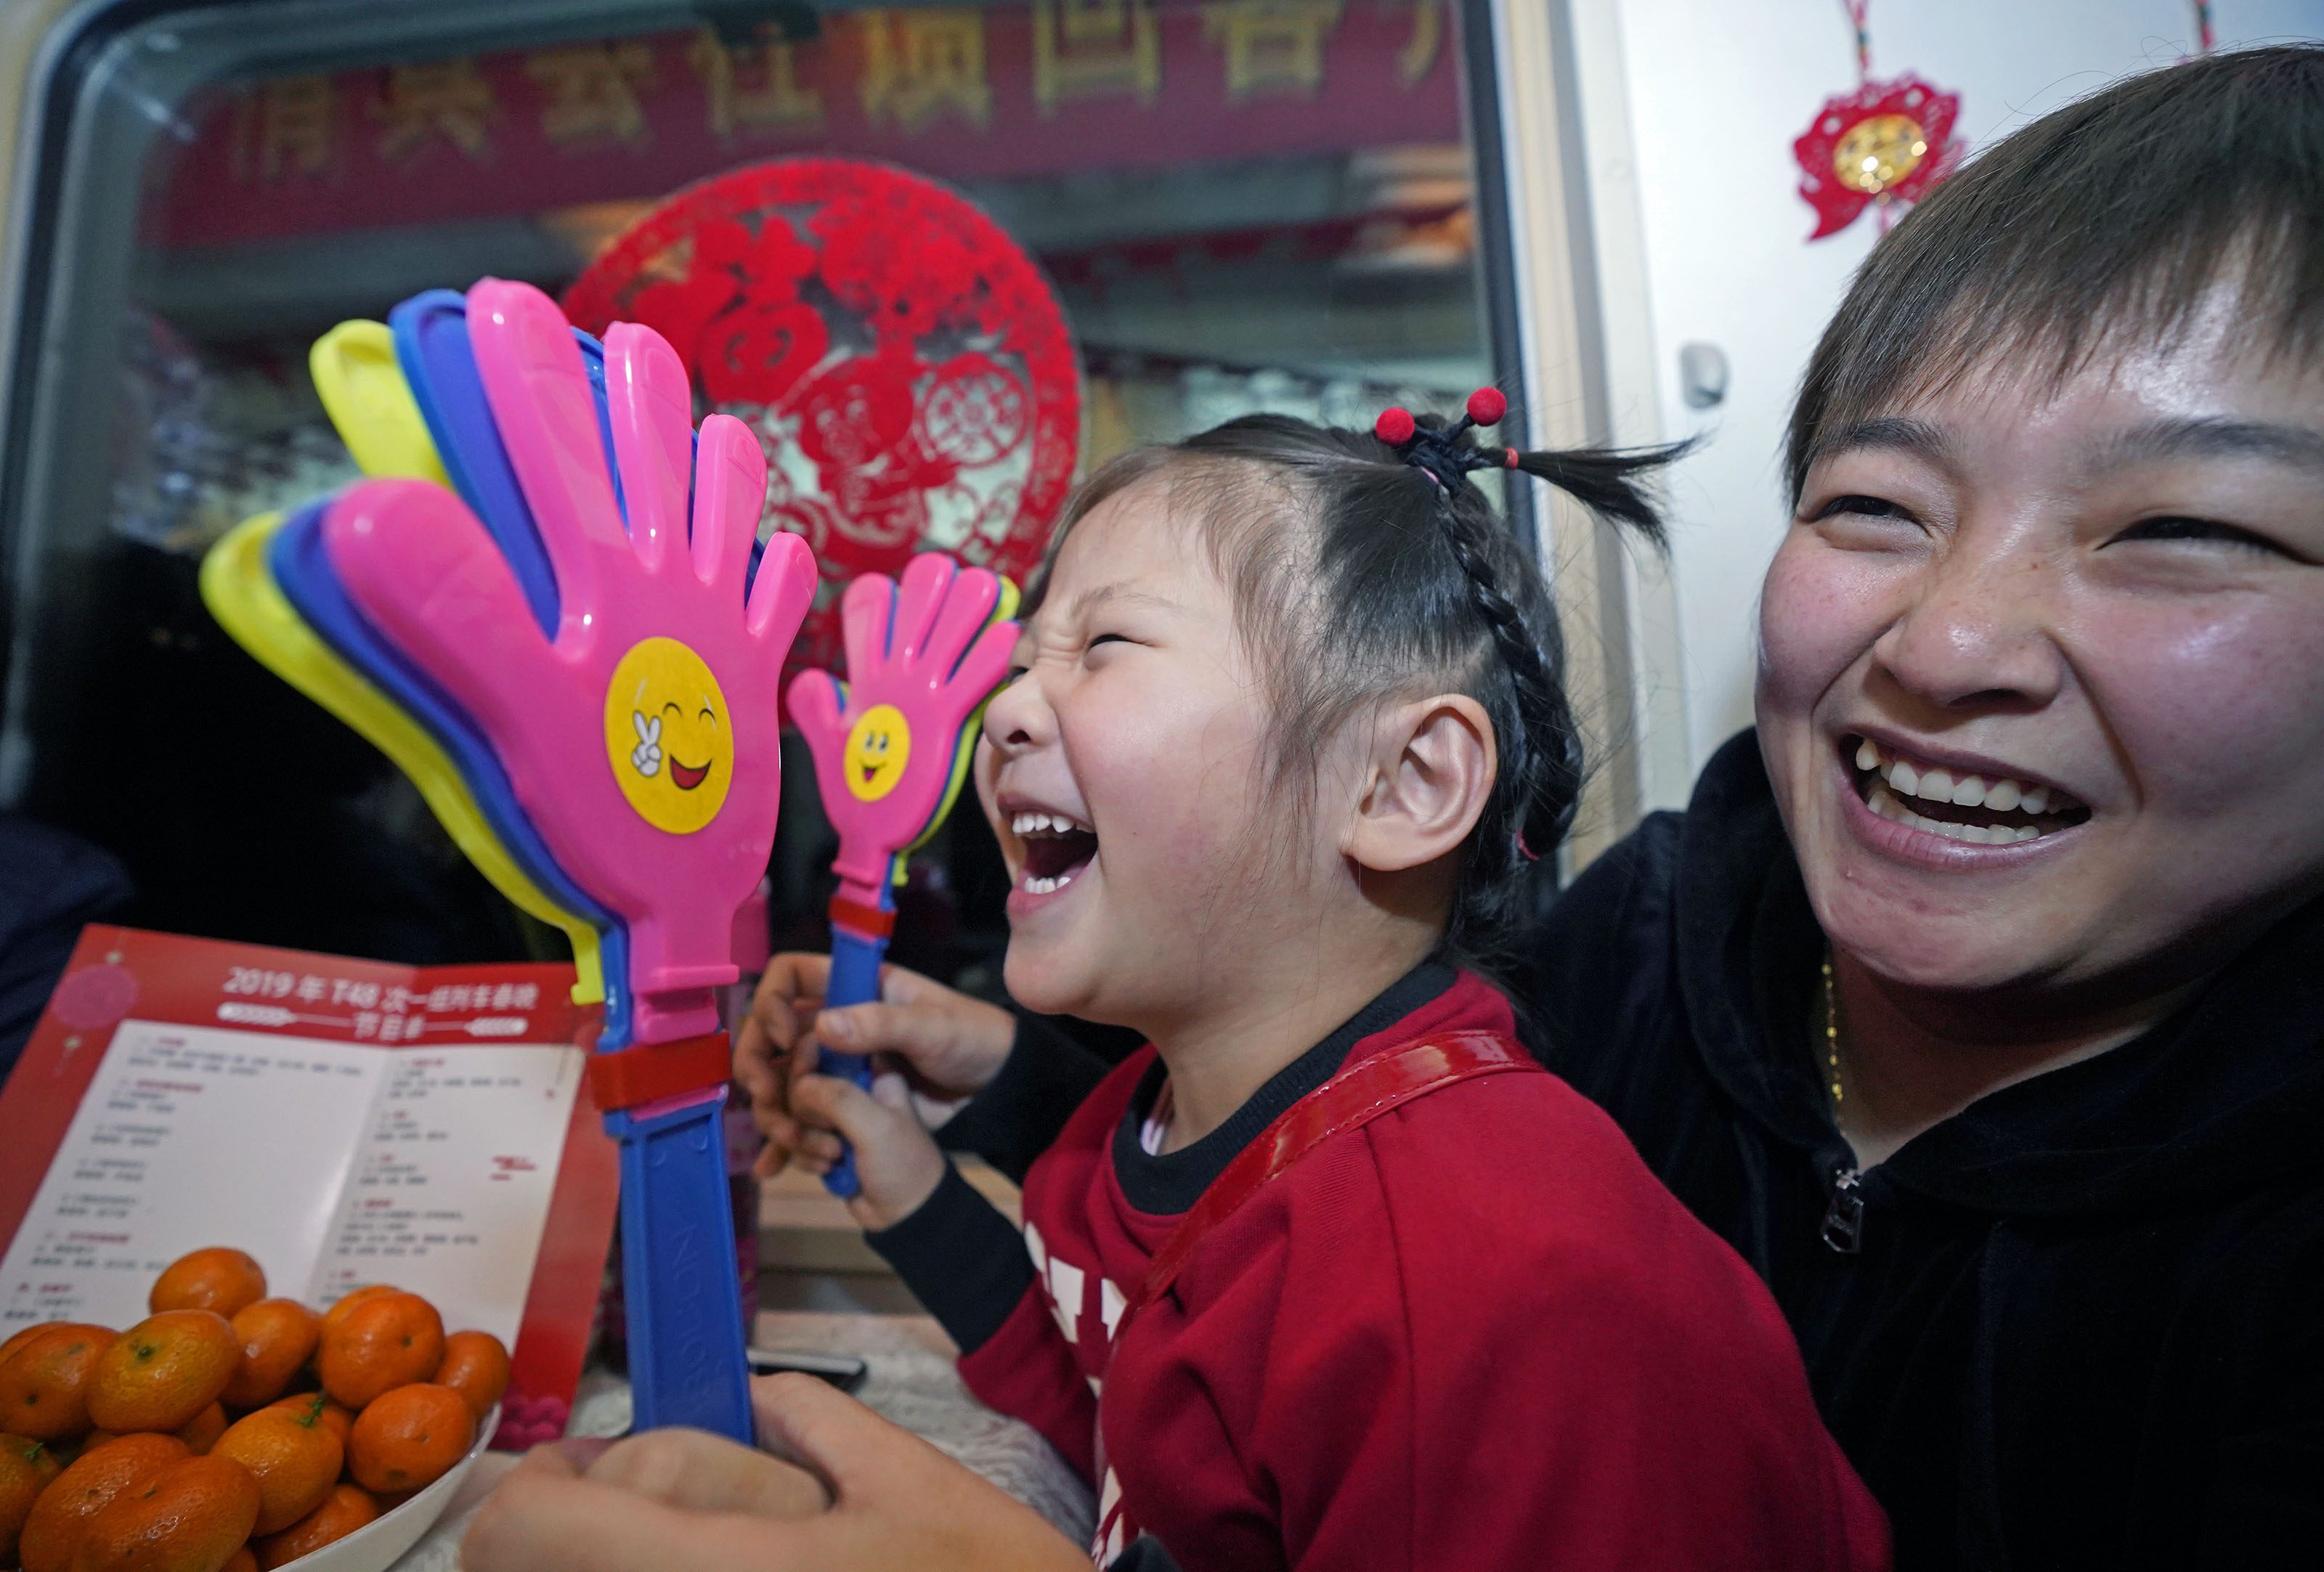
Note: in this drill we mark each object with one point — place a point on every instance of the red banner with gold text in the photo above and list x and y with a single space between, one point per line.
961 94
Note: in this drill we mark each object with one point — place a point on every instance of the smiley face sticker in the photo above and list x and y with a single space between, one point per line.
878 746
669 735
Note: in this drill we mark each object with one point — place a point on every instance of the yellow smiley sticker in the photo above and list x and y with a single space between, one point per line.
669 735
878 746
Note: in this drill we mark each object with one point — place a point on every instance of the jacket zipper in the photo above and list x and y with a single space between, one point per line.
1843 1218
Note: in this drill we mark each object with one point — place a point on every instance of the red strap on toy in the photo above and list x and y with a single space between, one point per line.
1348 1101
655 1070
870 921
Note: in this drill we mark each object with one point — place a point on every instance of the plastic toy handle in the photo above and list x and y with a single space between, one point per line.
854 980
688 1364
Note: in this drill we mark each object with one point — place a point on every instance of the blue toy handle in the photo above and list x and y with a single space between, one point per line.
686 1360
854 980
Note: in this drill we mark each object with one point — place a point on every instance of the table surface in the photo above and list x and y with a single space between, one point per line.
909 1379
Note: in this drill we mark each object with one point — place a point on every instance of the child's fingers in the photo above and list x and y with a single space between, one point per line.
897 1163
835 1104
754 1063
775 1124
791 990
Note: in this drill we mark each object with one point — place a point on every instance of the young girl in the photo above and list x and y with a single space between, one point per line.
1331 1274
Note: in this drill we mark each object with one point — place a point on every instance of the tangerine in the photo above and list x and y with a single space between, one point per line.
44 1384
352 1298
389 1340
333 1418
476 1366
26 1466
410 1437
277 1336
246 1560
17 1339
294 1457
200 1433
163 1371
52 1533
187 1516
216 1279
346 1508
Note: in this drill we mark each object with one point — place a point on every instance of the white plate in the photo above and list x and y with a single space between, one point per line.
375 1546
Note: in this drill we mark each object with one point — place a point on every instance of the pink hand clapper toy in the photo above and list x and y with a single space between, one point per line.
892 747
642 741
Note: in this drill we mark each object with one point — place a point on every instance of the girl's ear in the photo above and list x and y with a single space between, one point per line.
1429 774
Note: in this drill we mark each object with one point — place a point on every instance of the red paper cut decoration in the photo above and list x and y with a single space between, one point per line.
1886 143
903 361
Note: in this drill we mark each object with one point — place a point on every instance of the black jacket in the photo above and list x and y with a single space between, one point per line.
2084 1326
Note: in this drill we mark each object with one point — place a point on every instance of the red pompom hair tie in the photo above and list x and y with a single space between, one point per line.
1439 455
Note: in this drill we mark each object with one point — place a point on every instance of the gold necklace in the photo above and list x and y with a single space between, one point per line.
1832 1033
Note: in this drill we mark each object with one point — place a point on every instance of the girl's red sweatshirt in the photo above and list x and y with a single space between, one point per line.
1473 1334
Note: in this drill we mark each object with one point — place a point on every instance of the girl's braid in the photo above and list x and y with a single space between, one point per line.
1547 783
1544 759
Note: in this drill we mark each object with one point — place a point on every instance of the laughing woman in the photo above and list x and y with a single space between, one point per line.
1977 997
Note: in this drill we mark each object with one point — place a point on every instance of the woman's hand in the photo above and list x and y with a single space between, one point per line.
949 1045
681 1498
664 1498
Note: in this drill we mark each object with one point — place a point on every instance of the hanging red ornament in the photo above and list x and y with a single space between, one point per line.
1883 144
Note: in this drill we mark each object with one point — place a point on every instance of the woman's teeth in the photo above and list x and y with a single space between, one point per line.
1941 786
2000 807
1883 802
1041 886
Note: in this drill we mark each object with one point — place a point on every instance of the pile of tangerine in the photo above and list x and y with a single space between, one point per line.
228 1431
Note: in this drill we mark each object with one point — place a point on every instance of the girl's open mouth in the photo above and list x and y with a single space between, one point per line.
1978 810
1056 848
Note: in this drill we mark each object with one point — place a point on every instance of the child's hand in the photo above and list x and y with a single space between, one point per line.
949 1045
896 1159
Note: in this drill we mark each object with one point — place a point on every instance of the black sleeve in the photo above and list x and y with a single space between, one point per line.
51 885
961 1258
1014 1119
1144 1554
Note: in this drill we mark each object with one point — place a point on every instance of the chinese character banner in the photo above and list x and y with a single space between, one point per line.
962 94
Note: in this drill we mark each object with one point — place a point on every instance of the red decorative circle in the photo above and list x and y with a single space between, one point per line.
904 362
95 998
1838 205
1395 426
1486 406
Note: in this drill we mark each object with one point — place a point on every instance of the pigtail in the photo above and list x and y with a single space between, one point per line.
1606 480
